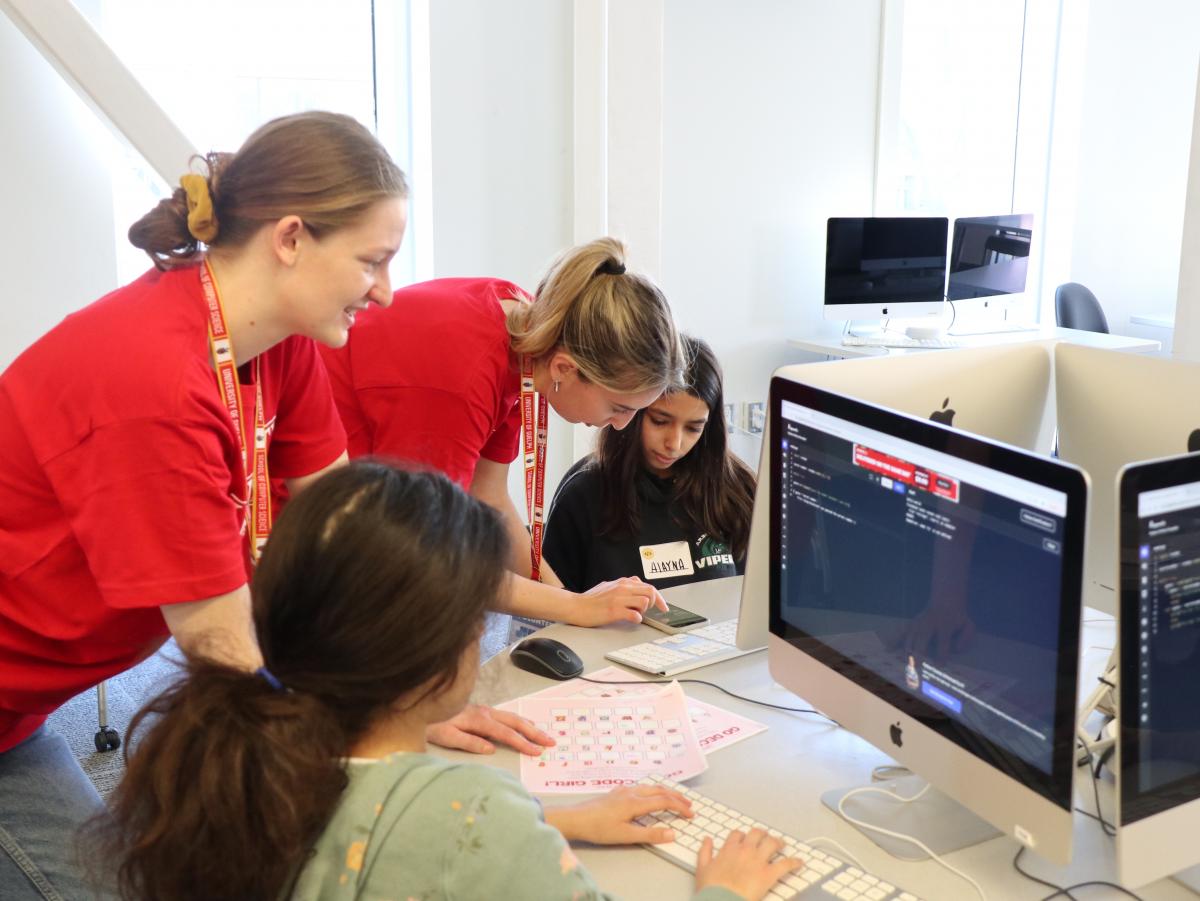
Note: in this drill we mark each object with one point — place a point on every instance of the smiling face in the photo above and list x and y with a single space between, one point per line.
671 426
576 399
342 272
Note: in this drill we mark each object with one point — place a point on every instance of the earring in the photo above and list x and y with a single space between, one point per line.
556 387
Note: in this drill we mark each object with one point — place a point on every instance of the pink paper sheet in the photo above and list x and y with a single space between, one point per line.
603 742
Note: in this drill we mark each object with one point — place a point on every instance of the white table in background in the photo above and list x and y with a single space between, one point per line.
829 343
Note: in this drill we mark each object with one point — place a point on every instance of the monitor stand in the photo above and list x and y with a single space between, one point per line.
1189 878
937 820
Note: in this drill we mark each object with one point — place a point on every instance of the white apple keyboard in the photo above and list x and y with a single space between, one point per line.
940 341
683 651
823 875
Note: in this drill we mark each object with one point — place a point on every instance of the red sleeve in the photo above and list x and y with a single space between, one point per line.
505 442
428 427
308 433
359 437
149 502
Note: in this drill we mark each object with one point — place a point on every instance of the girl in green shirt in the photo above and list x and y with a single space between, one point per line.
309 777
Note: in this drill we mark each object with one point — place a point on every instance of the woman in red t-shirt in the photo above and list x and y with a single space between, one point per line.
436 380
138 436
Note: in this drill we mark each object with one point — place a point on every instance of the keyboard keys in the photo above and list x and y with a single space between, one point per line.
714 820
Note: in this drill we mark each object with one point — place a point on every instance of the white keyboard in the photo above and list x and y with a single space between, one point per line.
992 328
683 651
942 341
823 875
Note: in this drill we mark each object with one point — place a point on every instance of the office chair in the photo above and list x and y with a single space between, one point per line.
107 738
1075 306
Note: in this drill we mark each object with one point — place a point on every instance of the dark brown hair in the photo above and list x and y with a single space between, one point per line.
711 491
325 168
372 588
616 325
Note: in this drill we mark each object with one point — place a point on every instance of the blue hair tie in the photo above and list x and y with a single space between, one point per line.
269 677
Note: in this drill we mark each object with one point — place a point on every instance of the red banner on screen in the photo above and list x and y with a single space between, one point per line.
898 470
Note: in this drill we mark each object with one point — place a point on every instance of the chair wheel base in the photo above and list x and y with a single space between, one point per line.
107 739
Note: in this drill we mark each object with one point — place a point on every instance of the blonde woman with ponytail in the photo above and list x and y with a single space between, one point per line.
436 380
138 436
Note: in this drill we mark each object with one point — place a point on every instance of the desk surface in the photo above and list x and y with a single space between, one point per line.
829 343
779 775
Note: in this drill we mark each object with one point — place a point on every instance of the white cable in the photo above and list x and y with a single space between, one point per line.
841 848
900 835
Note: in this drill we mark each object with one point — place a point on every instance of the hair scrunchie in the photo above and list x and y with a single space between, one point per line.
201 221
611 266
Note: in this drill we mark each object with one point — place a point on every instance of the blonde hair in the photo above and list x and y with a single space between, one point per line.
325 168
615 325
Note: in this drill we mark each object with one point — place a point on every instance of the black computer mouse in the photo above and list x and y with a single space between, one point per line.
546 657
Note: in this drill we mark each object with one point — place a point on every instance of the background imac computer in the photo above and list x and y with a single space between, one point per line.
885 267
1003 393
925 594
1116 408
989 258
1158 749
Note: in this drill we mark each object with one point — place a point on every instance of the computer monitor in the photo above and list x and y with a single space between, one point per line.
885 267
989 258
1003 393
925 594
1158 747
1116 408
1000 392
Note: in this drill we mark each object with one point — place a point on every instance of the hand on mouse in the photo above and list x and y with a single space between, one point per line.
621 600
471 729
743 864
609 820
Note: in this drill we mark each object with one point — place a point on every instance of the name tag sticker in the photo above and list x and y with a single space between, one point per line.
666 561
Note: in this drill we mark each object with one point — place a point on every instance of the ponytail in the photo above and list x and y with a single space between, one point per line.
616 325
228 790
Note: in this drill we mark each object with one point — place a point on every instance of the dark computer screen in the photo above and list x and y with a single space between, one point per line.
1160 636
989 256
935 581
885 260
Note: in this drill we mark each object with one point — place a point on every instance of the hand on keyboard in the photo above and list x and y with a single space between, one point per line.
748 864
609 820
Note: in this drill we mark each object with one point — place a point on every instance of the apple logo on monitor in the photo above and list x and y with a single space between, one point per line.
897 735
1194 441
946 416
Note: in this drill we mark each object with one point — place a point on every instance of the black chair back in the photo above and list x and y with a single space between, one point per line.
1075 306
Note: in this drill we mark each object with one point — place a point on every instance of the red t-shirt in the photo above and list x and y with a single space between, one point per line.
431 379
120 484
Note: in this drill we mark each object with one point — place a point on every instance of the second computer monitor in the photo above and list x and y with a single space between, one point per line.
1159 618
925 594
1116 408
989 258
885 267
1003 393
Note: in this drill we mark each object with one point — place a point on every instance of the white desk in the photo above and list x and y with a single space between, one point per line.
829 343
779 775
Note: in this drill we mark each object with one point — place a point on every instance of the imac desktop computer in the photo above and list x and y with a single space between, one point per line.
1158 746
885 268
1003 392
925 594
989 258
1116 408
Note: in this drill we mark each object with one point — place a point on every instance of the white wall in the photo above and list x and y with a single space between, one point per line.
1136 122
500 76
768 129
56 235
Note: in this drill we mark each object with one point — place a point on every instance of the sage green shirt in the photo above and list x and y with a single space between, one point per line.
413 827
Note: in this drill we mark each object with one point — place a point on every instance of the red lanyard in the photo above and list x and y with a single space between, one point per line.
533 434
258 486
